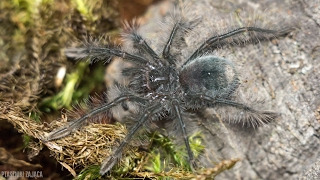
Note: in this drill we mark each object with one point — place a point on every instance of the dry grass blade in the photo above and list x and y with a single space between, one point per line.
87 146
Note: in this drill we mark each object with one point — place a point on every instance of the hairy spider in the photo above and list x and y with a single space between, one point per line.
163 90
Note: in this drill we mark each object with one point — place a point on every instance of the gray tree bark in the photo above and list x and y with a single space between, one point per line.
285 72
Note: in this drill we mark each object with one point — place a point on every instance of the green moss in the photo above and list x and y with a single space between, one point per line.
166 155
89 173
64 97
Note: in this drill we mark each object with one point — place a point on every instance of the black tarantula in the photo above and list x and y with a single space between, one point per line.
163 90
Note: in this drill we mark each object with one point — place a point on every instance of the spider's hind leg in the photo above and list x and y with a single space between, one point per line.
238 112
255 34
247 114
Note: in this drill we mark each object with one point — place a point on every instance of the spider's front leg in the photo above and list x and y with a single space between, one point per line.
74 125
97 53
108 163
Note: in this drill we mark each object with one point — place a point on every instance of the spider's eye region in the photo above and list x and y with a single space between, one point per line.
208 73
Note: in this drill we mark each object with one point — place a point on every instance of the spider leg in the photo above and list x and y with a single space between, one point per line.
220 40
108 163
73 125
251 115
213 101
103 53
166 50
140 43
258 117
175 39
175 103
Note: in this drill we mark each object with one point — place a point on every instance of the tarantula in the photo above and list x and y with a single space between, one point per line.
163 90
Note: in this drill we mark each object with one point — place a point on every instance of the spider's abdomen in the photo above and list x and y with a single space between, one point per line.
208 73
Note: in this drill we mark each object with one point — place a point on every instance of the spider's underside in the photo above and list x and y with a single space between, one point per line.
161 90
